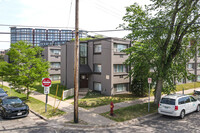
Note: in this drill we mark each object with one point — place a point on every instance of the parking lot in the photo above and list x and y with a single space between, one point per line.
30 120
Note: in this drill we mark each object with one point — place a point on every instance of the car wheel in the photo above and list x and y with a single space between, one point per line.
182 115
198 108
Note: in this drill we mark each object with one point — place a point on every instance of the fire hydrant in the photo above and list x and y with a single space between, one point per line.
111 108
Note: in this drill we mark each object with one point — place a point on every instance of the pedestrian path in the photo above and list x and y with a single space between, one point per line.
106 108
90 116
85 115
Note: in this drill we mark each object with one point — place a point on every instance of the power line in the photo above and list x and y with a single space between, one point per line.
69 13
154 27
34 26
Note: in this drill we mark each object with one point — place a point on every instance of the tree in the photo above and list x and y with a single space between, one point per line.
27 66
3 69
163 25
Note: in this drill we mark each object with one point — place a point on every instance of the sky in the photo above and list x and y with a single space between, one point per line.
93 15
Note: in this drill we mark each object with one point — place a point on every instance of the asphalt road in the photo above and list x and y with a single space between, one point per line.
14 124
158 124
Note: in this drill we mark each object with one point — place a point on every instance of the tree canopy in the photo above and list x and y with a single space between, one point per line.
27 66
164 29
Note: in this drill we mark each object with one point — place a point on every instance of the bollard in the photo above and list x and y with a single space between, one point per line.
111 108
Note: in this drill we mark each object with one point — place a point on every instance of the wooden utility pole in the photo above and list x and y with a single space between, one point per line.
76 63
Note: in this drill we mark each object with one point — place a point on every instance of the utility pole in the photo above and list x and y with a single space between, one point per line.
76 63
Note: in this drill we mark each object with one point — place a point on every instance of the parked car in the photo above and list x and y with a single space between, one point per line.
178 105
3 93
13 107
196 94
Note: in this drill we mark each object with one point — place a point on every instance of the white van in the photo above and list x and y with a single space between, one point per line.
178 105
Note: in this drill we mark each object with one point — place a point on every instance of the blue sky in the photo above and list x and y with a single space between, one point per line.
94 14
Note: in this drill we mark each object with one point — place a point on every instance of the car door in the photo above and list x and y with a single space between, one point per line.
194 104
188 105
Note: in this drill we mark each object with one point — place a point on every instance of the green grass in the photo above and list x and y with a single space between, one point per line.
94 99
187 86
131 112
38 87
34 104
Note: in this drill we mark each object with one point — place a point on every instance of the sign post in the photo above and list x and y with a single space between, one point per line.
46 83
149 81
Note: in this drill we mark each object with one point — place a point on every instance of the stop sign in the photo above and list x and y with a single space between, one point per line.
46 82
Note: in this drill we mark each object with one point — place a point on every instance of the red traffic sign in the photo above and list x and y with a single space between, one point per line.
149 80
46 82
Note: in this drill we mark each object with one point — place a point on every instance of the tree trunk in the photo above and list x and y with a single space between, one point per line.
159 86
27 95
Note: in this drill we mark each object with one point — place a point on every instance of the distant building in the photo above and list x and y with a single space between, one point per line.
2 52
101 65
43 37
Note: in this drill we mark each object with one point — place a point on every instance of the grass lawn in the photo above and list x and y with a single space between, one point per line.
187 86
38 87
131 112
34 104
94 99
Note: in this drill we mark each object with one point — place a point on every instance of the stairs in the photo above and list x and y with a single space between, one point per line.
83 91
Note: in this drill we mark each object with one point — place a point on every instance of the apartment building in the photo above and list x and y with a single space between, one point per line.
193 66
50 39
53 55
101 65
43 37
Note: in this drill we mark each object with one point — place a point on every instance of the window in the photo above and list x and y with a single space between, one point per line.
55 51
168 101
55 65
198 65
181 101
97 48
119 47
83 53
120 87
187 99
192 99
198 78
97 86
55 77
190 66
120 68
97 68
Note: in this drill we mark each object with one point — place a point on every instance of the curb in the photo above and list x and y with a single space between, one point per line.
37 114
133 122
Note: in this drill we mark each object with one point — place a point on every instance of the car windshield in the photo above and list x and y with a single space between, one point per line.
2 91
168 101
197 92
12 101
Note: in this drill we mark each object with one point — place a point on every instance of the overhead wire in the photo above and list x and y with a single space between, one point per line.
69 13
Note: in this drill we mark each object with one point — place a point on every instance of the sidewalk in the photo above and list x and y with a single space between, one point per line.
85 115
90 116
106 108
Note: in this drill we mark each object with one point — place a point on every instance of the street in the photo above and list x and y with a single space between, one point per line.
14 124
164 124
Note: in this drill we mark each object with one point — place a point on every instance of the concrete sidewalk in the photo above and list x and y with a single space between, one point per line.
90 116
106 108
85 115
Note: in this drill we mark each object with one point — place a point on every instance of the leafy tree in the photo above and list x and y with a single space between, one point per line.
163 25
1 58
27 66
3 69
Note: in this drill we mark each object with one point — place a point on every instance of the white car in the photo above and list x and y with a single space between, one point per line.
178 105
